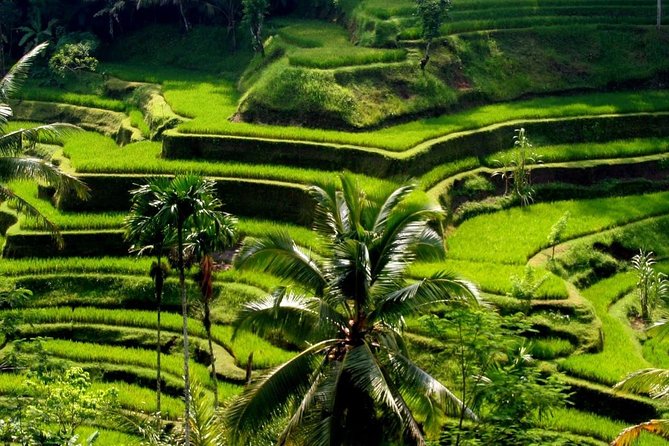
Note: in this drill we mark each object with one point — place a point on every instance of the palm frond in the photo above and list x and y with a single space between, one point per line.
5 114
207 428
366 374
350 271
299 318
354 200
629 436
415 382
390 205
25 207
265 398
326 220
278 254
436 289
652 381
22 168
310 400
24 140
19 72
660 329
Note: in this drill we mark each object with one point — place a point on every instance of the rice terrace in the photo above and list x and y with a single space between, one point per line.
334 222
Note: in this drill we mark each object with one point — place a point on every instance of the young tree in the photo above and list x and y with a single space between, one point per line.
59 402
183 204
557 230
208 238
515 169
148 235
353 383
20 157
483 354
432 14
254 17
525 287
651 285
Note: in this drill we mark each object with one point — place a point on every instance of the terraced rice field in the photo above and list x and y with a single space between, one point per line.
97 311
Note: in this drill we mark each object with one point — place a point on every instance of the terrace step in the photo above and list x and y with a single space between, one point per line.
419 159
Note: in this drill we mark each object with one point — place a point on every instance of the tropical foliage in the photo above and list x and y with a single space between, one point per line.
21 158
354 382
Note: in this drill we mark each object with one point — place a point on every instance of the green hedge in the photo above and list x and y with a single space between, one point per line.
420 159
250 198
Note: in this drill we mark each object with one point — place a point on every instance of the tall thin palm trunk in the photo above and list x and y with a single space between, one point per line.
159 297
206 267
184 312
183 16
659 14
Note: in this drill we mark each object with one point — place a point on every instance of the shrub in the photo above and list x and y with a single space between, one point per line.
73 58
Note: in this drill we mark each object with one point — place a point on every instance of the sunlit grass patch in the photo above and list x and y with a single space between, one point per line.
622 352
513 235
492 277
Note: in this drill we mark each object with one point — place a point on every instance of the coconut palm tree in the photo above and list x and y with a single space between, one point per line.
353 383
20 156
148 235
184 204
211 237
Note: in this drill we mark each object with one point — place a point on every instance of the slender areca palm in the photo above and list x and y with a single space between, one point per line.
184 204
354 383
148 235
20 157
208 238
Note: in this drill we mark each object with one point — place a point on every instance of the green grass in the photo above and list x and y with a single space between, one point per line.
93 153
588 424
265 354
588 150
137 120
327 45
63 220
495 237
550 348
37 93
108 437
405 136
75 265
131 397
622 352
492 277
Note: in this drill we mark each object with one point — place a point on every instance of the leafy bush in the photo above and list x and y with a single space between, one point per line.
73 58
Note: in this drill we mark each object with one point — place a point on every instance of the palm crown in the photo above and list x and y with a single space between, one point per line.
347 309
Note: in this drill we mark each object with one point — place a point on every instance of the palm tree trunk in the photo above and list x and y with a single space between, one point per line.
659 14
183 16
184 312
206 272
159 297
213 363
